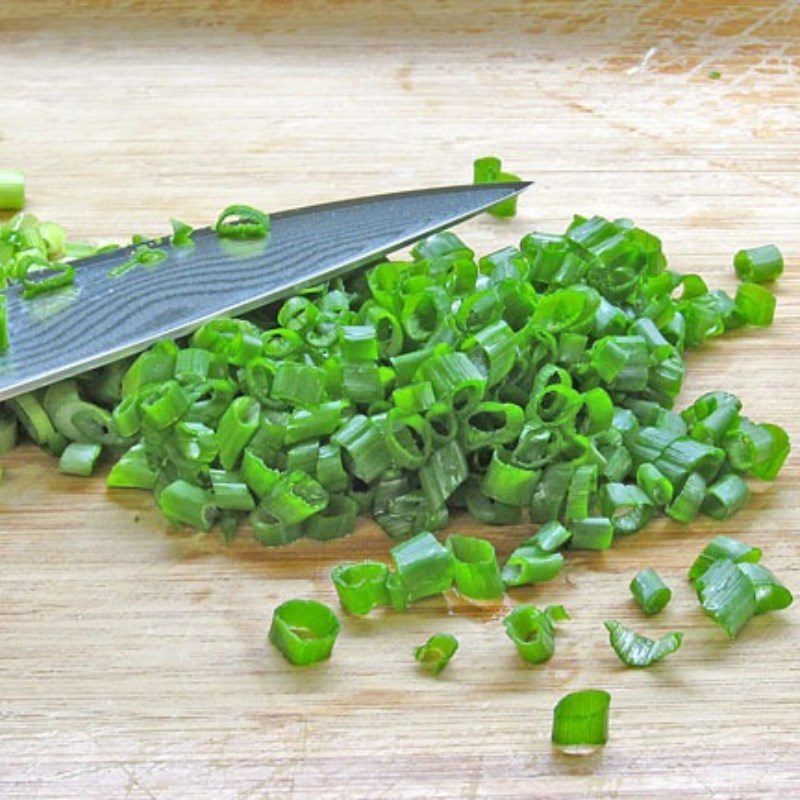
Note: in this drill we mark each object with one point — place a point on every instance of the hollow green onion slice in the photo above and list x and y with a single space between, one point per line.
591 533
364 446
771 594
294 498
271 531
362 586
230 492
12 190
185 503
723 547
550 538
489 511
580 720
132 471
336 520
532 631
650 592
304 631
547 500
627 506
725 497
507 483
476 572
635 650
727 595
79 459
529 564
437 652
756 304
759 264
423 568
242 222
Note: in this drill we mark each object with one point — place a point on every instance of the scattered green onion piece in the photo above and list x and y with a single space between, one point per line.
304 631
492 424
260 478
181 234
311 423
423 568
507 483
635 650
580 720
550 493
591 533
242 222
330 471
723 547
56 276
132 471
142 256
532 632
436 653
727 595
771 594
298 383
756 304
759 264
627 506
529 564
12 190
686 504
551 537
476 572
79 459
362 586
650 592
165 405
408 438
582 487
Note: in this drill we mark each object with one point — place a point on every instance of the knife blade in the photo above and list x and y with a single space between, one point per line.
101 318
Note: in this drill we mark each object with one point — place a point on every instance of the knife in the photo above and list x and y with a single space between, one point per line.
101 318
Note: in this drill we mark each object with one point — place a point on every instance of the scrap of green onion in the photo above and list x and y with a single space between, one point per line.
771 594
181 234
759 264
532 631
12 190
488 170
304 631
634 650
437 652
141 256
723 547
650 592
79 459
423 568
242 222
580 720
476 572
530 564
362 586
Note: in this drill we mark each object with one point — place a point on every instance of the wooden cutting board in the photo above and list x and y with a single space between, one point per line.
133 660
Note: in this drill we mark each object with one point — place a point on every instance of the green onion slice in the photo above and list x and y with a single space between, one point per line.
304 631
437 652
634 650
580 720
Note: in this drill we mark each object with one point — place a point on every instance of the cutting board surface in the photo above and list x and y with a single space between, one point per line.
133 660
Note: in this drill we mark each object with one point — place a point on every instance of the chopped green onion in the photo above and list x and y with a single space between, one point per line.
532 632
627 506
8 430
436 653
142 256
4 341
550 538
529 564
230 492
580 720
242 222
79 459
727 595
488 170
725 497
304 631
55 275
294 497
12 190
423 568
445 471
336 520
507 483
634 650
591 533
181 234
723 547
687 503
771 594
361 587
756 304
650 592
476 572
759 264
132 471
184 503
654 484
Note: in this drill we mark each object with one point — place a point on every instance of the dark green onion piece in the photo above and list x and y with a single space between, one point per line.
304 631
759 264
723 547
550 538
132 471
436 653
532 632
362 586
756 304
580 720
476 572
79 459
634 650
654 484
686 505
771 594
727 595
650 592
423 568
242 222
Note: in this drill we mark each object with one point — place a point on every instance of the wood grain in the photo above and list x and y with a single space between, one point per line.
133 661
